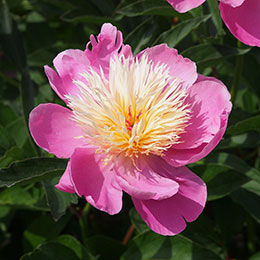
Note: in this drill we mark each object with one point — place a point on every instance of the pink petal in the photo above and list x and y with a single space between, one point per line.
207 124
95 180
53 130
55 82
71 62
233 3
167 217
65 183
181 68
177 157
243 21
107 44
69 65
144 183
183 6
208 99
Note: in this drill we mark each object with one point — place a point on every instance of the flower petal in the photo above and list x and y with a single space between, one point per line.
65 183
108 44
144 183
177 157
233 3
69 65
208 99
53 129
207 124
167 217
183 6
182 68
95 180
55 82
243 21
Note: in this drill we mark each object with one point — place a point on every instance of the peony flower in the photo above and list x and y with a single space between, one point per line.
132 124
240 16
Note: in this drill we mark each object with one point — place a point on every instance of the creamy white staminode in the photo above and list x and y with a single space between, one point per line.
138 110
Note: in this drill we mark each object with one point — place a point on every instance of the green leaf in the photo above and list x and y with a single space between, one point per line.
144 7
224 173
203 232
249 201
51 251
250 124
246 140
213 7
50 9
24 197
41 229
28 93
12 44
58 201
70 242
220 180
6 21
10 38
175 35
152 246
63 247
255 256
16 153
142 35
248 100
105 247
5 139
145 246
7 114
233 162
18 131
76 18
4 211
11 155
207 54
30 169
252 186
229 217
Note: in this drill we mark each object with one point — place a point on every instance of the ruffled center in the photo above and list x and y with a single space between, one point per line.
138 109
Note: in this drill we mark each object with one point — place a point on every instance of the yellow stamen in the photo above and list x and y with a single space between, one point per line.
139 109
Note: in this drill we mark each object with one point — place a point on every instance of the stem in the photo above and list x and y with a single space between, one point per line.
128 234
238 72
83 222
250 234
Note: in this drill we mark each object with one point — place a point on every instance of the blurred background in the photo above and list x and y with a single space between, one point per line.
39 222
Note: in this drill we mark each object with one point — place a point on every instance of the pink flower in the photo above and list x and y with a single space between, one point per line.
132 124
240 16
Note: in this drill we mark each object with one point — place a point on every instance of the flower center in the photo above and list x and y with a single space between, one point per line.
138 109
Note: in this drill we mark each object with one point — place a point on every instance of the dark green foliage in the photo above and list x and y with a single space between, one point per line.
39 222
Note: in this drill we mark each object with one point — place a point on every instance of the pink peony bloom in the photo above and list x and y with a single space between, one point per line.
132 125
240 16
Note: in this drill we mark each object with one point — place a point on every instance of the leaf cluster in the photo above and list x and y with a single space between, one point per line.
39 222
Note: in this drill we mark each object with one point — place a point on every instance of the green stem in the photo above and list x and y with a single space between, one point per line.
238 72
83 222
250 234
128 234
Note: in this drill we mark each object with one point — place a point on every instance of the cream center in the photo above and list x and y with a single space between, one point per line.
138 109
